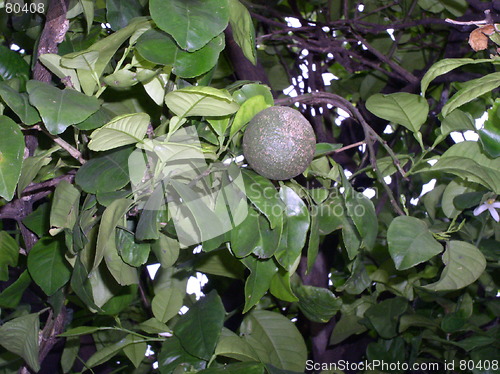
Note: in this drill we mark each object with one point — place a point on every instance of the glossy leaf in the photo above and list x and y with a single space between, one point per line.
250 90
158 47
132 253
200 101
112 216
470 91
275 339
20 336
166 250
173 355
247 111
264 196
105 173
104 50
464 263
318 304
64 211
402 108
362 212
135 352
109 351
243 29
490 133
199 329
60 108
120 131
237 368
11 296
11 156
410 242
9 252
166 304
314 239
191 23
123 273
455 188
48 254
457 121
53 63
467 160
259 280
19 103
384 316
444 66
296 226
119 13
12 65
281 287
31 167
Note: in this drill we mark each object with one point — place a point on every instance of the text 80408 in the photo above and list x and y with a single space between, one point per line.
22 7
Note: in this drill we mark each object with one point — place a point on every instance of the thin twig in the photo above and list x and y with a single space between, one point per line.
75 153
347 147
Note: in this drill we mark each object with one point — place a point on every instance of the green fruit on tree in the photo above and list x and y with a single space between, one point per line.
279 143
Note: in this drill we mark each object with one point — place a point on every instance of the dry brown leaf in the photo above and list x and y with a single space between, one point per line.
478 38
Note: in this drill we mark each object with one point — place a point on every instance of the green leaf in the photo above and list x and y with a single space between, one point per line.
347 325
402 108
456 187
46 254
314 239
9 252
31 167
105 173
471 90
104 50
166 250
243 30
64 211
250 90
80 330
120 12
109 351
167 303
70 353
12 64
200 101
247 111
135 352
112 216
275 339
317 303
259 280
325 148
233 346
457 121
490 133
120 131
158 47
410 242
19 103
444 66
263 195
362 212
11 156
134 254
296 226
80 283
467 160
11 296
53 63
199 329
20 336
123 273
384 316
173 355
464 263
281 288
60 108
191 23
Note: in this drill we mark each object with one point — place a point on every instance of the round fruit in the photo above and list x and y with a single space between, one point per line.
279 143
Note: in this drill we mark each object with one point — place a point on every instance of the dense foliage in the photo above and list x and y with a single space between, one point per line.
121 127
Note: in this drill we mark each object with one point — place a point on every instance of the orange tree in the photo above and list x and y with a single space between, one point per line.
121 151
